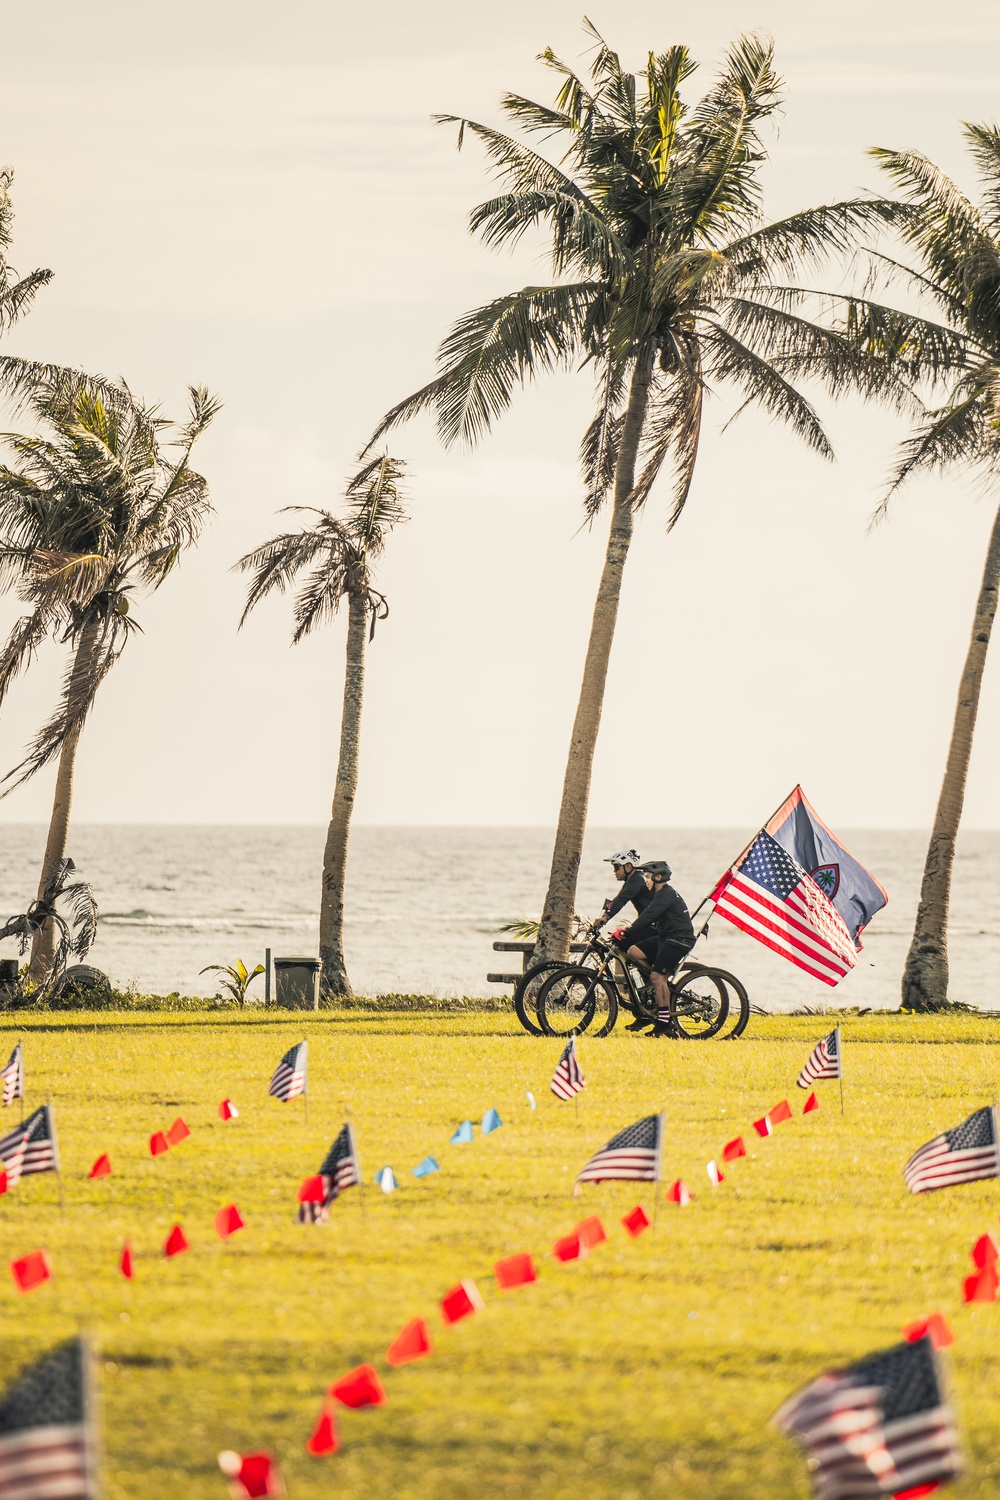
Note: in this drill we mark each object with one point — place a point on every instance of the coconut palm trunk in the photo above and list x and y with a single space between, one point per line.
925 977
43 947
331 912
560 899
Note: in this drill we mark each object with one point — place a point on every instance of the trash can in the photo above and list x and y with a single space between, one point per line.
9 988
296 983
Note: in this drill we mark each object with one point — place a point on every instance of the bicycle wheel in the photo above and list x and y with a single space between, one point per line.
573 999
526 993
699 1002
739 1001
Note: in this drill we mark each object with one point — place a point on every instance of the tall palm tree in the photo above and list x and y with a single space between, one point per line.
665 286
336 553
955 268
16 292
93 512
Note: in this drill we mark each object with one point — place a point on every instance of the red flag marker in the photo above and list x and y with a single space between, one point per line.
227 1221
31 1270
228 1110
917 1491
412 1342
3 1183
763 1126
811 1103
125 1265
360 1387
782 1111
178 1132
636 1221
251 1475
590 1232
324 1438
984 1251
981 1286
714 1175
937 1326
569 1247
101 1167
461 1302
176 1242
313 1190
679 1193
514 1270
734 1149
158 1143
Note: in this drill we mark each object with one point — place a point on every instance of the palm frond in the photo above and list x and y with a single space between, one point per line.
727 358
958 432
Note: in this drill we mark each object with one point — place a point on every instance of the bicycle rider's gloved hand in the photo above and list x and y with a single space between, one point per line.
618 934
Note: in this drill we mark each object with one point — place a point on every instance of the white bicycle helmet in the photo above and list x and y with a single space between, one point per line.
625 857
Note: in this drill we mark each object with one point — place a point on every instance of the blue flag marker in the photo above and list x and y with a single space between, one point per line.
491 1121
463 1135
386 1180
425 1167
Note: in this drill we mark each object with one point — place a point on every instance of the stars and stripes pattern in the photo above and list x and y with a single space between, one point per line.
965 1154
12 1075
289 1080
632 1155
568 1079
31 1147
340 1170
880 1427
824 1061
768 895
47 1445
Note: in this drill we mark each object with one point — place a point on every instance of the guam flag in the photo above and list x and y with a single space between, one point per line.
856 895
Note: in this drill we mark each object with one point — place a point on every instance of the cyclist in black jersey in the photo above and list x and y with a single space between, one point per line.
660 937
634 887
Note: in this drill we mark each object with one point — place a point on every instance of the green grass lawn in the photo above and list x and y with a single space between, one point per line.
650 1368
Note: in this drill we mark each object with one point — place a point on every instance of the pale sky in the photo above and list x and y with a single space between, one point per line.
254 197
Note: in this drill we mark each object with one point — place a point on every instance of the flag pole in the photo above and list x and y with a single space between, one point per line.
840 1070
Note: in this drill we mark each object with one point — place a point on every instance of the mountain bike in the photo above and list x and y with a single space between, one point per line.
530 982
576 996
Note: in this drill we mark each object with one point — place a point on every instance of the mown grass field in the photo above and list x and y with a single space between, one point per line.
648 1369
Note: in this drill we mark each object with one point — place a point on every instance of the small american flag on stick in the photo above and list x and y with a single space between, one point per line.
768 895
965 1154
880 1427
824 1061
632 1155
47 1443
568 1079
339 1171
289 1080
13 1077
31 1147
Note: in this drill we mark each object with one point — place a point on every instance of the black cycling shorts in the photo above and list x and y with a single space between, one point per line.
669 953
648 948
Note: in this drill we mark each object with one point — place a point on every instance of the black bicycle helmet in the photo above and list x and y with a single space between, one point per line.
657 867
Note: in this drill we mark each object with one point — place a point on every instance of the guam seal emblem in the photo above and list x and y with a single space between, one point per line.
827 877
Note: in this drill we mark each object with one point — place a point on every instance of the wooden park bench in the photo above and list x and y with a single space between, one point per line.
525 950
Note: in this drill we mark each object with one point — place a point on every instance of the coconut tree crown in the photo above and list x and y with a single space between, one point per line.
93 511
16 292
654 225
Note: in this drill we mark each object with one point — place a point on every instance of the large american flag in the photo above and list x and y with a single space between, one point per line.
633 1154
880 1427
768 895
31 1147
13 1077
964 1154
340 1170
47 1443
568 1079
824 1061
289 1080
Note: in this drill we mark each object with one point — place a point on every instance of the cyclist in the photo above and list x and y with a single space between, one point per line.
634 887
660 937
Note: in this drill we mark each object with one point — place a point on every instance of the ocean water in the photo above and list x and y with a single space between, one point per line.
423 904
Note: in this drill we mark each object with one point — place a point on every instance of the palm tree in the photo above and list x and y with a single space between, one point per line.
956 250
93 513
16 292
336 554
665 285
